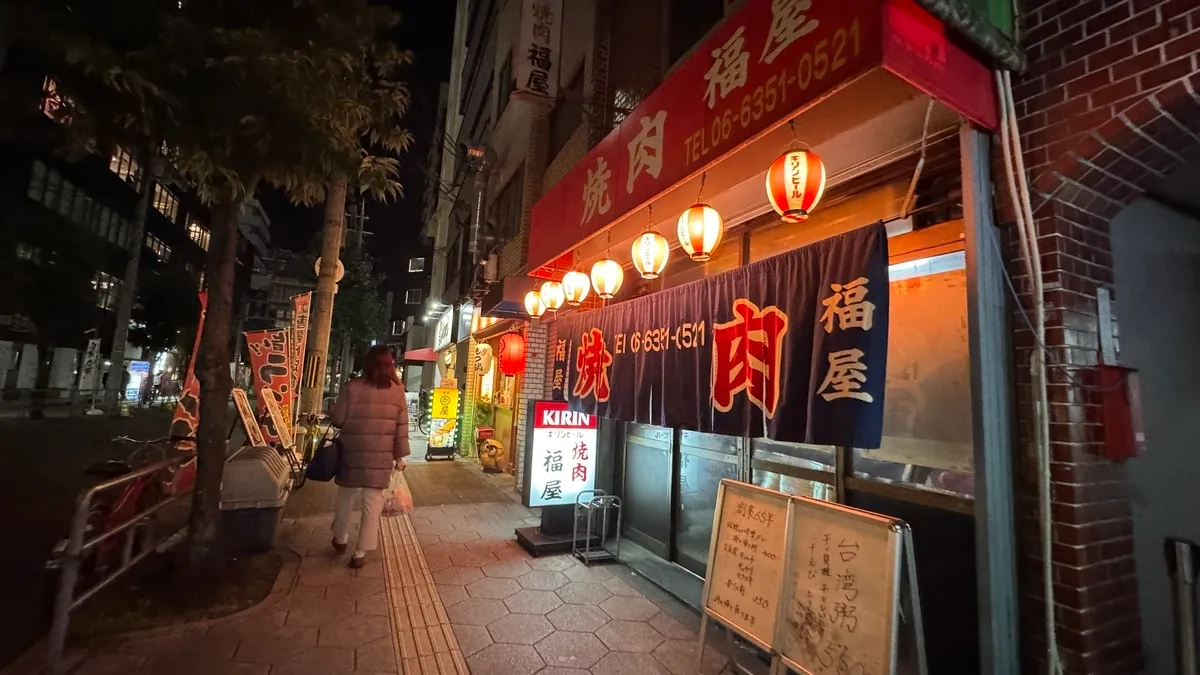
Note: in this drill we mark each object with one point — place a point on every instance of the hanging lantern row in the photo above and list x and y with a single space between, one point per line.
795 183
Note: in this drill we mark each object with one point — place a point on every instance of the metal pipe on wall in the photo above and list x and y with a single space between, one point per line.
1182 558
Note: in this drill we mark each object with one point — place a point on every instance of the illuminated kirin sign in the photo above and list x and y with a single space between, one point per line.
562 454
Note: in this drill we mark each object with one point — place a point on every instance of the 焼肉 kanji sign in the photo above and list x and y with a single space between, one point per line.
793 348
768 60
562 454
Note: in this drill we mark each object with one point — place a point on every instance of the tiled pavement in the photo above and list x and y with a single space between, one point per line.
517 615
451 593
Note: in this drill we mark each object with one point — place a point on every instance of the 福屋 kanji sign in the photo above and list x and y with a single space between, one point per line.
765 62
562 455
538 48
793 348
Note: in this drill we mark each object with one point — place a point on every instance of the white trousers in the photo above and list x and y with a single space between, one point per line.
368 529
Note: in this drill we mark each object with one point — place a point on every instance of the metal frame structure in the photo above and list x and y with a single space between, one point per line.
69 558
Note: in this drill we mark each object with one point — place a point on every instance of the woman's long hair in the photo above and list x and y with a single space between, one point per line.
379 367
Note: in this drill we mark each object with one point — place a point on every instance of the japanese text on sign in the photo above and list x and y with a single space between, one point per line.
537 58
746 570
563 454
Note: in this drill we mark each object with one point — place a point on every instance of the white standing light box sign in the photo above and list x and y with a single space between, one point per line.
563 453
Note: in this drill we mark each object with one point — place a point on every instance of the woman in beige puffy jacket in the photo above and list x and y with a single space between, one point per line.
373 417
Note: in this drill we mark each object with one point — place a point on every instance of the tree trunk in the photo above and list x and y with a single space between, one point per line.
322 310
212 369
41 383
112 389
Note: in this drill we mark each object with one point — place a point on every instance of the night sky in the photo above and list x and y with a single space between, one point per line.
426 30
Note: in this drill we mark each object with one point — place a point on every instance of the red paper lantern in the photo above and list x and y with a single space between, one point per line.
795 183
512 353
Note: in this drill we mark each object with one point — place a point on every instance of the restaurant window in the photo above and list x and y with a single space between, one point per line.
160 249
704 461
125 166
197 232
507 207
928 441
413 296
166 203
108 290
567 114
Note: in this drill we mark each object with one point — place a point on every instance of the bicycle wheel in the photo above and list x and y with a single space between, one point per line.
423 424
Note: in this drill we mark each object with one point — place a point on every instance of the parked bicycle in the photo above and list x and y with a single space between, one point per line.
424 411
111 509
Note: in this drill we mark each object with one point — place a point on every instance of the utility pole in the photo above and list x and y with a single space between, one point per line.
317 354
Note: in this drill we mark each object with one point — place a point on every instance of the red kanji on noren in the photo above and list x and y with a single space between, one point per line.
592 361
746 356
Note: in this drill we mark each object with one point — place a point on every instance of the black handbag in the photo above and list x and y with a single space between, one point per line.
326 461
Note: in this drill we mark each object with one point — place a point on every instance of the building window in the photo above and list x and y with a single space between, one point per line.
567 114
160 249
416 264
197 232
507 85
52 100
398 327
124 165
108 290
413 296
508 207
200 282
166 203
29 253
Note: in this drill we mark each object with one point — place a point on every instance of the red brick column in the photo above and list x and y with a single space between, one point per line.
1108 106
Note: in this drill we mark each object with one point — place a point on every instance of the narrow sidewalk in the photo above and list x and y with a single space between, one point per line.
511 614
449 593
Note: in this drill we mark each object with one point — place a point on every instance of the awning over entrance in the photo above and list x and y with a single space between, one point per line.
721 117
506 299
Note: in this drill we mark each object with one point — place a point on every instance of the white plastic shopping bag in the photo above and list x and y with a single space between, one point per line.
399 499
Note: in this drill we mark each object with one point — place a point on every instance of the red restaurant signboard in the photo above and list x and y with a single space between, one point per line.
759 67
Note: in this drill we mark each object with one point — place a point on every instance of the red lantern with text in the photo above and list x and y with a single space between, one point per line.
512 354
795 183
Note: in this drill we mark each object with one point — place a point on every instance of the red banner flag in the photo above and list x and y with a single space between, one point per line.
301 310
187 411
270 362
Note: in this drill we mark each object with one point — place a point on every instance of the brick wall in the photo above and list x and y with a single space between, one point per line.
533 385
1108 106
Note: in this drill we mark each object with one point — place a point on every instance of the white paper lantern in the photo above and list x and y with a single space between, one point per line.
607 276
650 253
576 286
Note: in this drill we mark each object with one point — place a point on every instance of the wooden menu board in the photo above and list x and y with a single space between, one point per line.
746 560
841 591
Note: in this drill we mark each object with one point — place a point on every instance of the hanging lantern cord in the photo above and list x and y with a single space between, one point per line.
700 197
795 143
649 217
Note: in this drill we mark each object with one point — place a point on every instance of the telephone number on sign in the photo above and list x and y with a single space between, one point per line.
685 336
822 59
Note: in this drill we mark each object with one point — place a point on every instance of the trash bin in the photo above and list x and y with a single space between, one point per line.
253 492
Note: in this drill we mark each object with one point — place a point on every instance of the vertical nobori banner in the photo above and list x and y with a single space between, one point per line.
301 311
187 411
270 361
793 348
539 48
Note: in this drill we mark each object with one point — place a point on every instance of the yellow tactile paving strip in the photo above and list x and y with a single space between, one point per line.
421 632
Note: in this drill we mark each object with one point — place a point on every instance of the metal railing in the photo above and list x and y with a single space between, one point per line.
70 555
